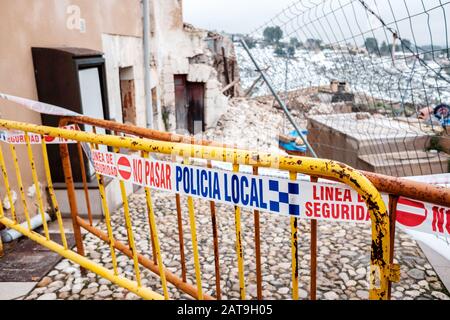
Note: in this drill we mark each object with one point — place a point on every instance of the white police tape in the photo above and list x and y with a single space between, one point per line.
303 199
280 196
13 137
321 201
37 106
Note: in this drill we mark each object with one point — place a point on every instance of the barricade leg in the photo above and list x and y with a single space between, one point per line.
180 233
294 248
239 251
111 240
20 185
198 277
149 208
181 237
313 253
257 248
67 168
393 201
7 187
85 187
212 206
51 191
154 238
131 243
36 184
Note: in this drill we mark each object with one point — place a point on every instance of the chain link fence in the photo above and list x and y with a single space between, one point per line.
370 78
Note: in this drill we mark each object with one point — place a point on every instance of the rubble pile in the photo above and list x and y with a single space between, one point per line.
252 124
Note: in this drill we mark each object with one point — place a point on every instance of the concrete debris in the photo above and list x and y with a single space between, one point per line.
260 122
6 204
321 108
31 191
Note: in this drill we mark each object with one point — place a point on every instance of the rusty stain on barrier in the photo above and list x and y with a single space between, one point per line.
67 168
144 261
239 251
180 232
83 176
294 248
149 209
257 249
313 256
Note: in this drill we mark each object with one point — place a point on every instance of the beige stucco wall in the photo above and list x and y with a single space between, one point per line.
45 23
25 24
115 28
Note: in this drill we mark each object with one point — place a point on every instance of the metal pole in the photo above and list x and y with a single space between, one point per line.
147 84
277 97
286 81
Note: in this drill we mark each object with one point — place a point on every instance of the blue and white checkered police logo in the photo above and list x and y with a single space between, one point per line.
284 197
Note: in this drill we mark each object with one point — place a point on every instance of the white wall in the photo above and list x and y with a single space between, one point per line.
121 52
172 46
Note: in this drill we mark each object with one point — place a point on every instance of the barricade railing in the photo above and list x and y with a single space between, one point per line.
381 270
27 135
395 188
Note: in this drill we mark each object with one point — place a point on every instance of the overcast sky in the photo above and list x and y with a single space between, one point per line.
234 16
243 16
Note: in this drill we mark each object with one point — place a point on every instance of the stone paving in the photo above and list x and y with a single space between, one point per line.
343 258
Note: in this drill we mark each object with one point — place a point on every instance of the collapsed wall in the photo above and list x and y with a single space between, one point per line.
197 55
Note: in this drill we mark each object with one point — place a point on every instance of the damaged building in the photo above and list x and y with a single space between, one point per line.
190 69
82 59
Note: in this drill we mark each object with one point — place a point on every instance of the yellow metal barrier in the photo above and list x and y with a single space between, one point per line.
380 271
394 187
82 261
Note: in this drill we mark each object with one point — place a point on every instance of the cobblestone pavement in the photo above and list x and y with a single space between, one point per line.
343 258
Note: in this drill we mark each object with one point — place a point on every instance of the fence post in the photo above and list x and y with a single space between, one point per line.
64 152
239 250
180 233
215 231
257 248
1 248
2 215
393 201
313 253
85 187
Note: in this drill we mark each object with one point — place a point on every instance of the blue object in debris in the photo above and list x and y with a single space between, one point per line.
442 113
292 146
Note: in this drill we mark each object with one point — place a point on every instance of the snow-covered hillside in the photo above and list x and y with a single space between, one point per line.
407 79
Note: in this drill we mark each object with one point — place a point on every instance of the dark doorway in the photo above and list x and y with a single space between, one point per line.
181 106
196 101
74 78
127 95
190 105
